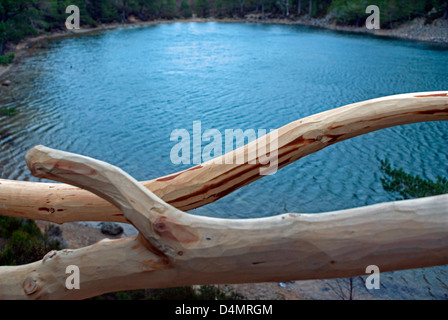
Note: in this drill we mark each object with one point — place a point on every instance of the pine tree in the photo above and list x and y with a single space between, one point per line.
14 20
202 8
185 9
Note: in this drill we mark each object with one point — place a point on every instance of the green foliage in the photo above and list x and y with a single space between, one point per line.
179 293
7 59
349 12
104 11
8 111
20 18
202 8
185 9
148 9
9 224
437 9
15 18
226 8
168 9
22 241
410 186
352 12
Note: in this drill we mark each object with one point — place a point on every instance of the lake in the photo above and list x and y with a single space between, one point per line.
118 95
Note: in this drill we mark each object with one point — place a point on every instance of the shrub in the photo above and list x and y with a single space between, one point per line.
23 242
7 59
180 293
185 9
352 12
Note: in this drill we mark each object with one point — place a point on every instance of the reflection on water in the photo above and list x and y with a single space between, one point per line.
118 95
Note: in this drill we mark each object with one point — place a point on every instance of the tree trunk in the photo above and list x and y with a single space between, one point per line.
124 16
310 8
299 7
445 16
2 46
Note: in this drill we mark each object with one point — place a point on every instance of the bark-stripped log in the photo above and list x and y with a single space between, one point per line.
175 248
208 182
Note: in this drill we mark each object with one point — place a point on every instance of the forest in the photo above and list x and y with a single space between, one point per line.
21 18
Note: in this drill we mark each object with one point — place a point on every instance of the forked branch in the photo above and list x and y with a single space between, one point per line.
175 248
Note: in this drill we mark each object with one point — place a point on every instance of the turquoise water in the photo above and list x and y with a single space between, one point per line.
118 95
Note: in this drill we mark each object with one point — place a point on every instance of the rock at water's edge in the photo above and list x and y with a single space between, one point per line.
111 228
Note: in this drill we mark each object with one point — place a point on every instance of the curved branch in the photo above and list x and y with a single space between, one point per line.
176 248
148 213
396 235
210 181
104 267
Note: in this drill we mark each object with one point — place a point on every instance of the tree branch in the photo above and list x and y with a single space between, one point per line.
210 181
175 248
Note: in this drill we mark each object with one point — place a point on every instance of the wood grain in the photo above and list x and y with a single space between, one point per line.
209 181
175 248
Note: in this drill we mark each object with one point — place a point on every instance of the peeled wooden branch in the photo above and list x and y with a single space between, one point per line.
175 248
209 181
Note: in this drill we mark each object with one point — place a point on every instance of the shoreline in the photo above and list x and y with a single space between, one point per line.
415 30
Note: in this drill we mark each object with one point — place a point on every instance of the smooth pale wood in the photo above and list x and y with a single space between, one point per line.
164 226
209 181
175 248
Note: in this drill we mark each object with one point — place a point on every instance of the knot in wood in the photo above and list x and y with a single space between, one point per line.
49 255
30 286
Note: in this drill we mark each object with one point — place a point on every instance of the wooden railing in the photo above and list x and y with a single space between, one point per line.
175 248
